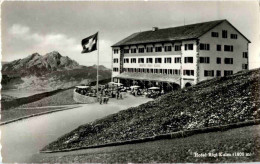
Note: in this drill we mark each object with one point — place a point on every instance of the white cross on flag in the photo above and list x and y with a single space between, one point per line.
89 44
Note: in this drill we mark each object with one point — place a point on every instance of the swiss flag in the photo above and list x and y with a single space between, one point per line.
89 44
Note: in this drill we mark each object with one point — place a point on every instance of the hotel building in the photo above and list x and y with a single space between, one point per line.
180 56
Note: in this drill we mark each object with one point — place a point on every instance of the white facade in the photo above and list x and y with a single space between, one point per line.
191 70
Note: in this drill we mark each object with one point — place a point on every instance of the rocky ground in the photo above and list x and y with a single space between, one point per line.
236 145
215 102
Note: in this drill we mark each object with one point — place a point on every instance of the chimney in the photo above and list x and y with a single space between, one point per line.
155 28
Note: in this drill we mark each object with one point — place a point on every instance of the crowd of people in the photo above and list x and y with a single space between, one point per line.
115 91
110 92
150 93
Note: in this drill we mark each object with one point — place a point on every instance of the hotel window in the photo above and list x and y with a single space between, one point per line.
135 70
228 72
144 70
133 50
158 60
126 60
149 60
204 46
170 71
244 66
228 48
151 70
126 51
218 47
155 70
141 50
115 60
138 70
209 73
188 72
158 49
245 55
115 69
204 60
228 60
129 70
124 69
149 49
177 60
218 61
165 71
167 60
224 34
133 60
188 46
233 36
167 48
177 72
218 73
115 51
140 60
148 70
188 60
160 71
177 47
214 34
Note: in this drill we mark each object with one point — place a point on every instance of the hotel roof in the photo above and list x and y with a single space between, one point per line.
187 32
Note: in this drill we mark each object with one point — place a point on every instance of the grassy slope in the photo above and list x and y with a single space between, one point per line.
13 108
246 140
215 102
5 98
63 97
13 114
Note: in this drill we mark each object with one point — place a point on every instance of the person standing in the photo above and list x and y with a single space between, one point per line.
101 99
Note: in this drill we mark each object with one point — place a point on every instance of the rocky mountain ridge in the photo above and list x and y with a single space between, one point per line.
50 71
38 65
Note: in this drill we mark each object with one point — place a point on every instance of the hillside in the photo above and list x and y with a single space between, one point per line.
50 72
215 102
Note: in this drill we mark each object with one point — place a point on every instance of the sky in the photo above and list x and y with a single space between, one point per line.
38 26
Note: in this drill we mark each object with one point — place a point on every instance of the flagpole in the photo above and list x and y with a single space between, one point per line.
97 62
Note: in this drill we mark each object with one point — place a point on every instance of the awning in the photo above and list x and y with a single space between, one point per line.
82 87
150 77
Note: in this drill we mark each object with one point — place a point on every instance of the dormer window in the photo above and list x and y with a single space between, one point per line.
167 48
149 49
141 50
158 49
133 50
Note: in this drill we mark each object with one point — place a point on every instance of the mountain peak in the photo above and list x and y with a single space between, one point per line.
35 54
35 64
54 54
